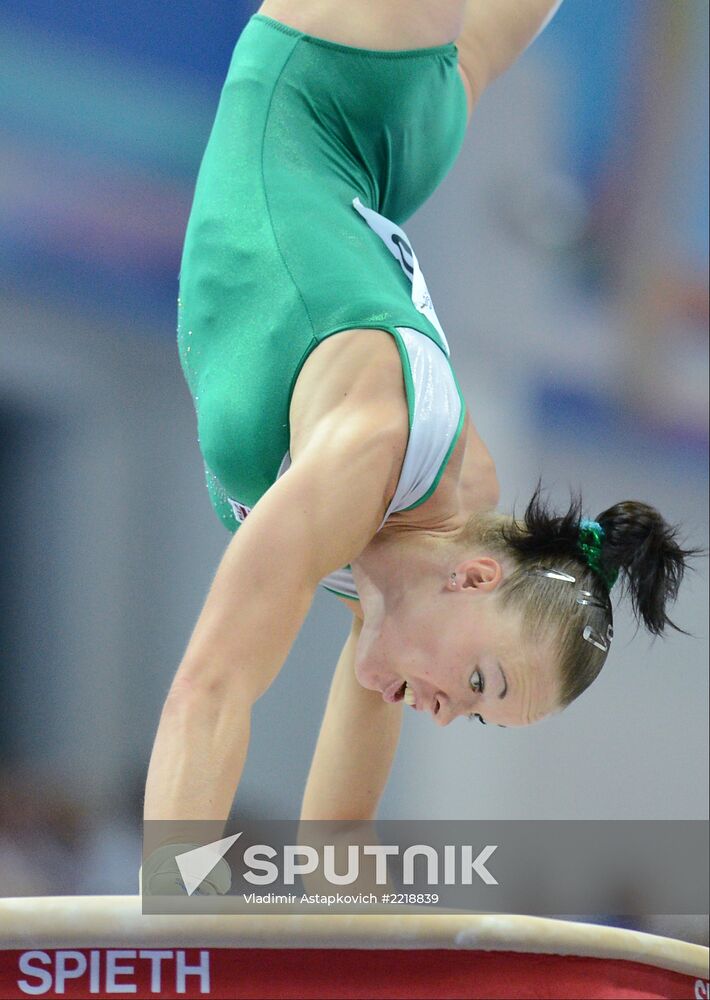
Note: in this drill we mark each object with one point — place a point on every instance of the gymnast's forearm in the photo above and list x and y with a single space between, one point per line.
199 753
355 748
258 601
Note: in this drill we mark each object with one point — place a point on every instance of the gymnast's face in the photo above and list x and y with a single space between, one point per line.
461 654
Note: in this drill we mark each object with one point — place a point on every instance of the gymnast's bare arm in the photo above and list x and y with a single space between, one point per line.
317 517
356 746
495 33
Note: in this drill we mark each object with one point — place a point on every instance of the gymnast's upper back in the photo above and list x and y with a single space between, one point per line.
359 372
362 370
350 434
348 442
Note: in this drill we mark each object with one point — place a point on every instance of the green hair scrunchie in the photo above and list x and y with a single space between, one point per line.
591 536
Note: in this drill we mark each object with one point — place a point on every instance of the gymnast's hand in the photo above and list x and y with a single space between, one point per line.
160 875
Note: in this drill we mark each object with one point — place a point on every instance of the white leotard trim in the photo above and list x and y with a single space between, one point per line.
437 412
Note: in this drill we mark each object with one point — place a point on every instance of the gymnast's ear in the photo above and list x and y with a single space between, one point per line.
483 574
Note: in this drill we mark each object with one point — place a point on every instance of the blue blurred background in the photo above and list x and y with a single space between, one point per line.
567 254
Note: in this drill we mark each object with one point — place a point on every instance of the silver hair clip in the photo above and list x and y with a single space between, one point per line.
586 597
591 635
553 574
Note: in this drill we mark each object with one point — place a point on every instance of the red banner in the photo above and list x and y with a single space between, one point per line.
241 973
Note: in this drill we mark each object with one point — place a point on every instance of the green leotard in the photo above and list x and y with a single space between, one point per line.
279 254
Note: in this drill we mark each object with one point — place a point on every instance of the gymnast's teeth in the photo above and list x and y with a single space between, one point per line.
408 695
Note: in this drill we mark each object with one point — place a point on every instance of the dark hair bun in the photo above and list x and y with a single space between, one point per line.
638 544
644 547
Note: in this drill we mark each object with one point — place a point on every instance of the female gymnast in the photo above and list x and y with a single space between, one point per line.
351 461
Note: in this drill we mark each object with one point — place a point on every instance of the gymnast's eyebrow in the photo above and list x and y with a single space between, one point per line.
505 681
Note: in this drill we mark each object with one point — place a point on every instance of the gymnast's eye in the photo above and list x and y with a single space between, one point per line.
475 715
476 681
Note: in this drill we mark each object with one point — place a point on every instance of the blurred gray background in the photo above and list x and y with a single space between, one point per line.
567 256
